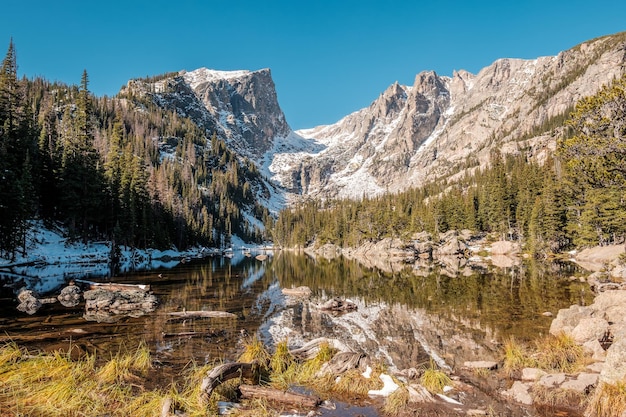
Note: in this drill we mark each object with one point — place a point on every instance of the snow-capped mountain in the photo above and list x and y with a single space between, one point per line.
438 127
442 125
240 107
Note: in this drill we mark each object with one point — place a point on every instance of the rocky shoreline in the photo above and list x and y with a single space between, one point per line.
600 328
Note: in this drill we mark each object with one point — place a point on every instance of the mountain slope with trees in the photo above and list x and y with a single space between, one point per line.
576 197
119 169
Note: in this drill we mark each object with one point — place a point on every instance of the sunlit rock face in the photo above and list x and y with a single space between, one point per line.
442 126
240 107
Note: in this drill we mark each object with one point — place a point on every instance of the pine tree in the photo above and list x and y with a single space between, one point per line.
16 150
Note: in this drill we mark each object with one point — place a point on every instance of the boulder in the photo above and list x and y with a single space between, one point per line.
612 304
519 392
107 306
594 348
451 245
568 318
614 369
532 374
589 329
552 380
29 301
583 383
70 296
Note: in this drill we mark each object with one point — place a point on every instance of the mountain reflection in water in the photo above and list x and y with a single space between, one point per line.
403 319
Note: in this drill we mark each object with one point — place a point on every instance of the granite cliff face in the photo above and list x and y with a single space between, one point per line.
240 107
442 125
438 127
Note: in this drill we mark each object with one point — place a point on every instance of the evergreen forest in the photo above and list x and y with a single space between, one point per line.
125 170
119 169
575 198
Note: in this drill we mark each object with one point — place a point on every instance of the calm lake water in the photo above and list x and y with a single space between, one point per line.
403 318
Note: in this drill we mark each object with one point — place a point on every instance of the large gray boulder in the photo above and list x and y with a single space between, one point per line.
568 318
614 369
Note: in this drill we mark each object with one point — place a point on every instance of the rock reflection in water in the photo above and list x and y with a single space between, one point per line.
402 317
451 312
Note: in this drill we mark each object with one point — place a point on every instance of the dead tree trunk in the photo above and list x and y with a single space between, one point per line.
342 362
311 349
223 373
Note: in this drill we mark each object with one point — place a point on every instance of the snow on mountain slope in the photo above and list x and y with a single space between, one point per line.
439 126
442 125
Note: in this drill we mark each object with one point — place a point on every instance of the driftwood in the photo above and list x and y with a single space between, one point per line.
342 362
225 372
310 349
113 286
272 394
201 314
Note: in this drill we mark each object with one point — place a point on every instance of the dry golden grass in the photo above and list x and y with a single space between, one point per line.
551 353
516 357
254 350
434 379
281 359
354 383
559 353
608 400
396 402
55 385
557 397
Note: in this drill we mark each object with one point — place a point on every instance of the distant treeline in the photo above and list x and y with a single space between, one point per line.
96 166
575 198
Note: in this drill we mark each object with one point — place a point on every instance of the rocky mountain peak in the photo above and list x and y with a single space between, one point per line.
409 134
241 107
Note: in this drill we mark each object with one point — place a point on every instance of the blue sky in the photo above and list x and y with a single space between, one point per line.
328 58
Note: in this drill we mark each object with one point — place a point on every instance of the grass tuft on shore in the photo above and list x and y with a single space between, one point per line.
608 400
559 353
55 385
551 353
397 401
434 379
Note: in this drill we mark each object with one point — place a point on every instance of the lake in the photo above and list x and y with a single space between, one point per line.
404 317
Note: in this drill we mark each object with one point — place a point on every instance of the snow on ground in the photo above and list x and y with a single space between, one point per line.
51 259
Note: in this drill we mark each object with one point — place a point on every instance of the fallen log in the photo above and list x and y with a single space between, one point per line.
201 314
272 394
225 372
310 349
342 362
113 286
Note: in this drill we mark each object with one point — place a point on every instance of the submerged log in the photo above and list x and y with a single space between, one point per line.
201 314
113 286
297 292
272 394
223 373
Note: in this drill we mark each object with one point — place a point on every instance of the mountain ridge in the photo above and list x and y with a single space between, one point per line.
438 127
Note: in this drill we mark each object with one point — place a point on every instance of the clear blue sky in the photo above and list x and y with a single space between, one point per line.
328 58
